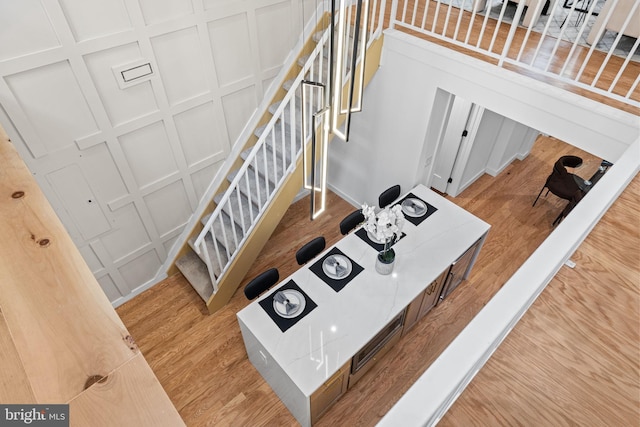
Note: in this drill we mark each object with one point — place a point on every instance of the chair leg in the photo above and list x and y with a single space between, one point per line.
558 219
534 202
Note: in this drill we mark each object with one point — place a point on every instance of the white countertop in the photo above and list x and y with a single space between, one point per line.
326 338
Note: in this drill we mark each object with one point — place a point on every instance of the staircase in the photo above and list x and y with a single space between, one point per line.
255 196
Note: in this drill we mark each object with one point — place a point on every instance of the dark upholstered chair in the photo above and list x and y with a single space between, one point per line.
310 250
388 196
261 283
562 183
572 204
351 221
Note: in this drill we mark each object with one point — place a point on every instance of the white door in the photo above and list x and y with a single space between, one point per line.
455 131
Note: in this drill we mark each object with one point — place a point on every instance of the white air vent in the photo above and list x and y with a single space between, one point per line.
133 73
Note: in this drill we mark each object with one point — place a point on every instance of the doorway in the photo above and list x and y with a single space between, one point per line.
471 141
454 144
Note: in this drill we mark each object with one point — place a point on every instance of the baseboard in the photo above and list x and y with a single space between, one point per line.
462 187
344 196
496 172
140 289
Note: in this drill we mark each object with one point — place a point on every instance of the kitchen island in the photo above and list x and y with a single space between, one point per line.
347 324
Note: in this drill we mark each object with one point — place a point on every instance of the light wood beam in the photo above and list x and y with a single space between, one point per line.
60 339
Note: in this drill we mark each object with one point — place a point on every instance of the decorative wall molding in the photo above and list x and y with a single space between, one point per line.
142 155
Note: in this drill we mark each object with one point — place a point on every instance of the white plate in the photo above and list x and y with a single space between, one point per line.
414 207
297 302
337 266
372 237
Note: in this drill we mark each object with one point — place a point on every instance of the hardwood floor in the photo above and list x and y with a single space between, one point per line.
201 362
574 358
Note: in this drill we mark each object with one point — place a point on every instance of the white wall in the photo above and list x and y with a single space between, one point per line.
125 166
388 139
485 139
513 141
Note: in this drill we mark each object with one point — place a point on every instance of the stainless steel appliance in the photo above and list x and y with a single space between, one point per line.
459 270
377 346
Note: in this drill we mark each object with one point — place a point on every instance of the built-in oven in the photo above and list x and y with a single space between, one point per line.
459 270
377 343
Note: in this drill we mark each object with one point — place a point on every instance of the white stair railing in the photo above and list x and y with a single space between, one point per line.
266 166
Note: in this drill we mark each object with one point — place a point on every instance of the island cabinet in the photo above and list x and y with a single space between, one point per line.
344 326
424 302
376 348
329 392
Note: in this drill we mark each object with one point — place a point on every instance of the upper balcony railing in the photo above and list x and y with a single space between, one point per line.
588 44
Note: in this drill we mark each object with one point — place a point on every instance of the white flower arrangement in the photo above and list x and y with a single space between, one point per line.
385 226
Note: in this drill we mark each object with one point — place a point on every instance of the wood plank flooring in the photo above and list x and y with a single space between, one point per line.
574 358
200 359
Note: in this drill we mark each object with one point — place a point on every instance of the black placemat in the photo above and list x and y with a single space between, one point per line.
416 220
362 233
336 284
282 322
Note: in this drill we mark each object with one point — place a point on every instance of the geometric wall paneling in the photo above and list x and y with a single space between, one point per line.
95 18
180 65
238 107
148 153
31 34
233 61
275 37
155 11
91 259
203 177
102 173
169 207
128 236
17 125
218 4
54 104
133 73
89 141
168 244
200 138
110 270
109 287
125 164
121 105
141 269
269 80
79 201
